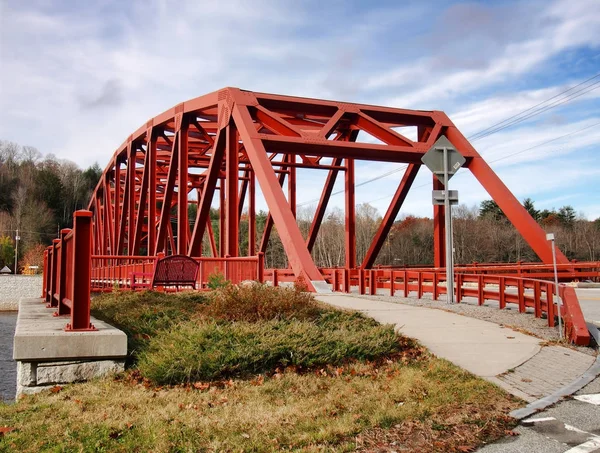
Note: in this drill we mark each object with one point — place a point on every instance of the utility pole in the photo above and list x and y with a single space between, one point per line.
17 239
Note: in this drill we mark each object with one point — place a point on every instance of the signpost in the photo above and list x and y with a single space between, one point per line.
444 161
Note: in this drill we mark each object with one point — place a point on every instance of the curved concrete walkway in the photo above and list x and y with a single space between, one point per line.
481 347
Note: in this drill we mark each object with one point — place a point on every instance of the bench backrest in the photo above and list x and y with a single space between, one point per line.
176 270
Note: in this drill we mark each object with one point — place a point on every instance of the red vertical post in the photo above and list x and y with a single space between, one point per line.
82 270
392 277
117 206
183 226
350 216
222 221
292 187
151 150
480 287
261 267
63 278
131 186
232 185
439 230
252 215
54 274
45 275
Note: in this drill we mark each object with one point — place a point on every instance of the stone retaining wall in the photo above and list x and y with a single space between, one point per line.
14 287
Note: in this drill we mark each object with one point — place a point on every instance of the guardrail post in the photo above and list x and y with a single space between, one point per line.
47 273
405 283
501 292
550 305
260 274
361 281
459 282
392 281
53 275
82 271
435 282
346 274
537 302
63 278
520 289
420 285
372 283
480 287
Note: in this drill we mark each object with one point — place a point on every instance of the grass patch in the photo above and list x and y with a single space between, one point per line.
428 405
209 350
259 369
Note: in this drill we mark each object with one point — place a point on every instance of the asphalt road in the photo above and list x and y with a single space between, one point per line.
589 299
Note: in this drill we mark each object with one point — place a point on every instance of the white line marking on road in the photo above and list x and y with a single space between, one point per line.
577 430
592 399
538 420
586 447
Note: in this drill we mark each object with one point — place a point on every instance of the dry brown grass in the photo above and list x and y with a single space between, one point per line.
423 405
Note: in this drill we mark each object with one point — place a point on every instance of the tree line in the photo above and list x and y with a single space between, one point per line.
38 195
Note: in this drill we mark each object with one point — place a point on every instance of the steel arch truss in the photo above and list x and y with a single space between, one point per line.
228 140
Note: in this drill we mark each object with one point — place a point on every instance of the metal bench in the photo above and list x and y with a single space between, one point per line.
171 271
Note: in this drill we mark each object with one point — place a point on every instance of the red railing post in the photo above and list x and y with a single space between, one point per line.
261 267
480 287
372 283
361 281
44 274
80 280
392 289
47 273
501 292
63 278
435 288
275 280
53 275
405 283
346 280
459 282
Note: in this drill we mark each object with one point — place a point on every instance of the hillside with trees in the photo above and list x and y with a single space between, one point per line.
38 195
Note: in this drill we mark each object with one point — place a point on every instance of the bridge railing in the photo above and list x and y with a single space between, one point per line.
526 293
67 270
566 272
118 271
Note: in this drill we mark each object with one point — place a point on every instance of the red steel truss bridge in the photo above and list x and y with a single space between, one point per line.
213 150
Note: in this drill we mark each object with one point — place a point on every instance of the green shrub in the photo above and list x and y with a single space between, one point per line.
211 350
216 281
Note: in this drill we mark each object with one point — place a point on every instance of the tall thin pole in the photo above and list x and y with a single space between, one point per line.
16 249
448 228
558 301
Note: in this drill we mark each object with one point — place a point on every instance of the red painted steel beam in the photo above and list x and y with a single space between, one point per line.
390 216
298 256
183 226
210 183
164 223
232 186
350 210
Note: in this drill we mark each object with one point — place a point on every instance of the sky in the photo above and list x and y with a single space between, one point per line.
76 78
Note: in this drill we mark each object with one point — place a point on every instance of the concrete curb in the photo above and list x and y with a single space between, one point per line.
592 373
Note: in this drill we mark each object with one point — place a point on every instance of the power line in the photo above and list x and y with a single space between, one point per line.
508 155
497 127
484 131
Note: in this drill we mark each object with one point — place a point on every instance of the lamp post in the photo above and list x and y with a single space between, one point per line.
550 237
17 239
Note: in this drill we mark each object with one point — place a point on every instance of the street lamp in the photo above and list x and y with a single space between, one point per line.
17 239
550 237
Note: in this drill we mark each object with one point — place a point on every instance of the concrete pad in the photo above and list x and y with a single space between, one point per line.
39 336
483 348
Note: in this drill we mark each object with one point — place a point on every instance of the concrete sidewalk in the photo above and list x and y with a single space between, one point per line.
515 361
